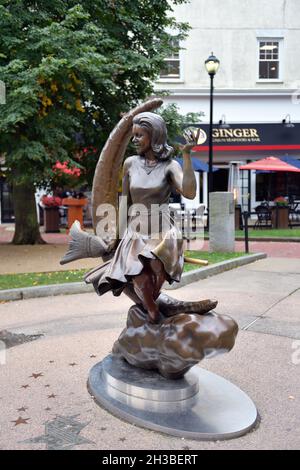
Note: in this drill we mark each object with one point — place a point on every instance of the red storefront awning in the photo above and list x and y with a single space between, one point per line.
270 164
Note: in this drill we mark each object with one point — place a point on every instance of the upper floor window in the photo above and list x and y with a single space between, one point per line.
269 59
171 67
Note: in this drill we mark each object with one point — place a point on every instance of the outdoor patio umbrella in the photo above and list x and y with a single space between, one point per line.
197 164
287 159
271 164
291 161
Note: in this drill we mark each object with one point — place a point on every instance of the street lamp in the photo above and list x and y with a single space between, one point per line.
287 122
212 65
223 124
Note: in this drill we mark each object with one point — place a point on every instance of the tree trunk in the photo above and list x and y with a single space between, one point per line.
26 222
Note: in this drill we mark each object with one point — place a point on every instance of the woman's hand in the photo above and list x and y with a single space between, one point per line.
189 185
191 139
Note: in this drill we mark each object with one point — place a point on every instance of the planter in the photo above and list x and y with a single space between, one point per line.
75 210
51 219
280 217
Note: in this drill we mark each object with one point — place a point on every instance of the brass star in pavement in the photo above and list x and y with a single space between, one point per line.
25 386
22 409
73 364
20 420
35 376
52 396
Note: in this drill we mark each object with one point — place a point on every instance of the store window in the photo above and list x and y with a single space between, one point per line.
269 59
272 185
6 202
171 67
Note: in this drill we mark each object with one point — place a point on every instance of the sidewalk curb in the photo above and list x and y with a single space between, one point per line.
82 288
202 273
46 291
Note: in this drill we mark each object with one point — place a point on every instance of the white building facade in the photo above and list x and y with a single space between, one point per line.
256 87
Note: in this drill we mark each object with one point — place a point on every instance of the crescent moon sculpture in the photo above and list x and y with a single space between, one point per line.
211 332
108 168
105 191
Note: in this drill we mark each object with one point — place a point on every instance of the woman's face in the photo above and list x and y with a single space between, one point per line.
141 139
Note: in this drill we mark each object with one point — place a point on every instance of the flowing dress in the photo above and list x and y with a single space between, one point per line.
151 231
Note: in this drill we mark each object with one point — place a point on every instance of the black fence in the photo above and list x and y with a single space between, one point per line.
279 217
194 224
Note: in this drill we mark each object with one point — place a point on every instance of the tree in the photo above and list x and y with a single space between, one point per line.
71 68
176 122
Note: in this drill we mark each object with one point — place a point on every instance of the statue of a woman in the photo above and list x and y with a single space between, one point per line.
145 259
162 332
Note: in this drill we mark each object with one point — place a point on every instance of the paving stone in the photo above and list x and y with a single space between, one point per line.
277 327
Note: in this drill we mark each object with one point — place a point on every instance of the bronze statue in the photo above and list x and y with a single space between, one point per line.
140 258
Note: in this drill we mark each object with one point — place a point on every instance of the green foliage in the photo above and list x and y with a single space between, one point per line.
12 281
211 257
71 67
176 122
270 233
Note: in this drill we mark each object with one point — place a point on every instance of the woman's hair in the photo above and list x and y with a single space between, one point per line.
156 127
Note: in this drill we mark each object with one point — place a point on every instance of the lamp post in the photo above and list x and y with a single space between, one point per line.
222 123
212 65
287 122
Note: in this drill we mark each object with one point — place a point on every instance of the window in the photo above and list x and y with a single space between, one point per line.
271 185
171 67
269 66
6 202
